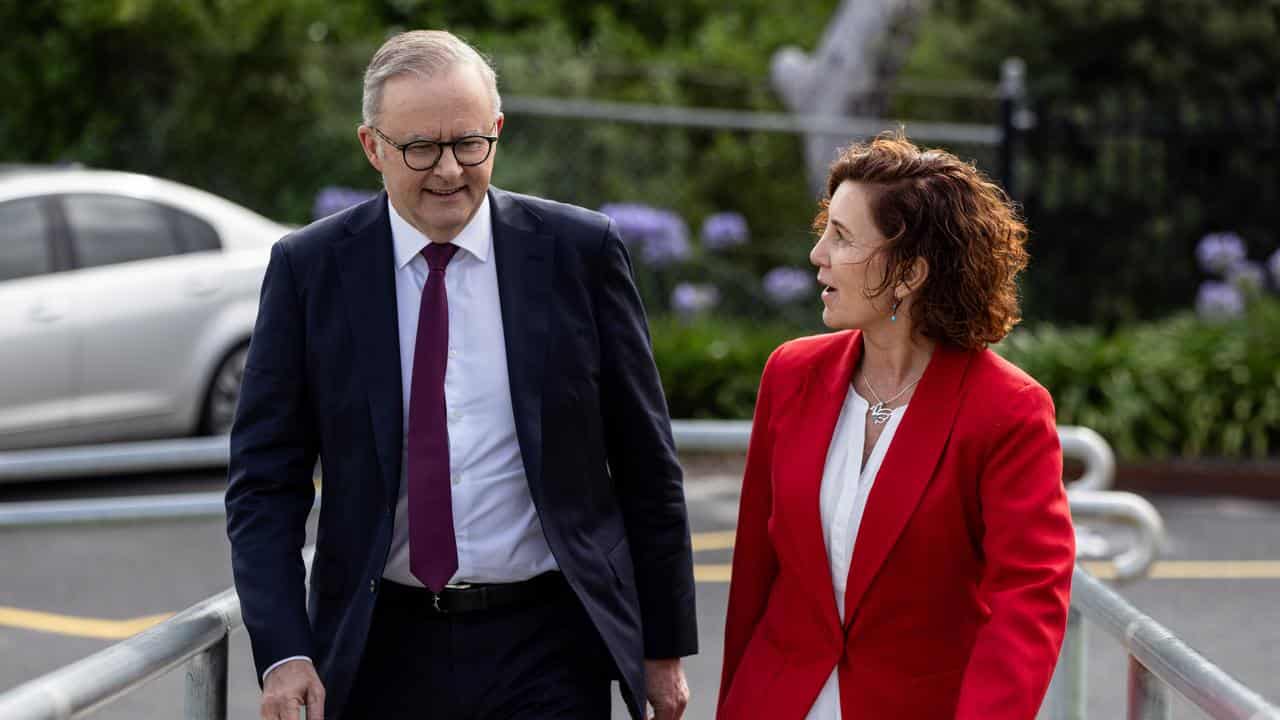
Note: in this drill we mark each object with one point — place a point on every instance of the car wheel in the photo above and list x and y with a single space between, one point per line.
224 393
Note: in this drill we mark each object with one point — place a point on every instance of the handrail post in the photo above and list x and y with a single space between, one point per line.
1148 696
206 686
1067 691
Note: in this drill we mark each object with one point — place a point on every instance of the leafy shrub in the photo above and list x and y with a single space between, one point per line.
1183 386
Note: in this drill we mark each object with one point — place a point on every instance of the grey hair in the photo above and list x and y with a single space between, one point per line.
423 53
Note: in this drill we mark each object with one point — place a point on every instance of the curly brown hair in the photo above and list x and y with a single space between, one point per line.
932 205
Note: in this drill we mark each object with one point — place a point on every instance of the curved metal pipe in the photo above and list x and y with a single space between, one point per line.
1132 510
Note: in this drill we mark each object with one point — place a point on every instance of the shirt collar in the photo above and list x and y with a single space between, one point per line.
476 238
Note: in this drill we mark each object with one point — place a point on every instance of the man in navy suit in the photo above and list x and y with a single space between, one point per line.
502 529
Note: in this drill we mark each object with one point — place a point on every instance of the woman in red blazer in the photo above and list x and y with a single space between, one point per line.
904 546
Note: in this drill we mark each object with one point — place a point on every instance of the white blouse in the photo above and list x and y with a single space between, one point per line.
842 500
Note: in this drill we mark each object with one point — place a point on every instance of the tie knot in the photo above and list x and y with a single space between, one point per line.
438 255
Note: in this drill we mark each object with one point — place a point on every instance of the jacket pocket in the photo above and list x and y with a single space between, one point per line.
620 562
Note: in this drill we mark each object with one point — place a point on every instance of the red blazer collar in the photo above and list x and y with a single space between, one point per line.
904 475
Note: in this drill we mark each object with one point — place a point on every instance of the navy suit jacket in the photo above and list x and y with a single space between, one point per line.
323 380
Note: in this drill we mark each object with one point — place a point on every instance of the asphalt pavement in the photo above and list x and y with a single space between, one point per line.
66 592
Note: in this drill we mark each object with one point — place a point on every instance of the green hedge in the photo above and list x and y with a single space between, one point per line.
1178 387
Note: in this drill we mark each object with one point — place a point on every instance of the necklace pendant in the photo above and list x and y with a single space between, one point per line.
879 414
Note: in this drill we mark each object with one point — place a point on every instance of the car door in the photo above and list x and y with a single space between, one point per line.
37 343
145 295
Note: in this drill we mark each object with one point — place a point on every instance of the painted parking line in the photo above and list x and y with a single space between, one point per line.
77 626
1163 570
711 573
1168 570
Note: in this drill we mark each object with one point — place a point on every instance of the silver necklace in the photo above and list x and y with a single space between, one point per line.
879 413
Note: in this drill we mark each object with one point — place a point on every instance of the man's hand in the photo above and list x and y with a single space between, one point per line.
288 688
667 688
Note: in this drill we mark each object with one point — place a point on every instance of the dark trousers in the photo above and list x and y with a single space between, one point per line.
539 660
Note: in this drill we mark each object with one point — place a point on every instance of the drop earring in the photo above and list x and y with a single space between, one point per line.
893 316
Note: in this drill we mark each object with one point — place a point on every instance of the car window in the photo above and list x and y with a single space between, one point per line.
106 230
24 240
197 235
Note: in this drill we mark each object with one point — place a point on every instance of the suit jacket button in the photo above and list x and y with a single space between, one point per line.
373 586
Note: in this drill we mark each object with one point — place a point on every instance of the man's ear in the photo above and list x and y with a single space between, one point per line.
369 143
497 125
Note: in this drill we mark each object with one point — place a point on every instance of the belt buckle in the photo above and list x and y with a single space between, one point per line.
435 597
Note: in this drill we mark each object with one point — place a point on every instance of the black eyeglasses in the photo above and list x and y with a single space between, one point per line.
420 155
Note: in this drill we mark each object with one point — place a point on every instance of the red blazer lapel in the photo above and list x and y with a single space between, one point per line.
810 427
909 465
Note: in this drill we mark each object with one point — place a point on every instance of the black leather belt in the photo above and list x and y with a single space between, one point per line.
470 598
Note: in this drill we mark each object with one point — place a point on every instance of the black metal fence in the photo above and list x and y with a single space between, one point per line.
1118 193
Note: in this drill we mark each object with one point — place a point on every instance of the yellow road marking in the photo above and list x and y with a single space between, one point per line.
704 573
77 626
1167 570
719 540
1199 570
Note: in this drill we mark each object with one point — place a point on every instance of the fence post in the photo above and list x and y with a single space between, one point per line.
1148 696
1067 692
206 686
1013 88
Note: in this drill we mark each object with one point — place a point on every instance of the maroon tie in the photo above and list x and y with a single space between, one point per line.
433 549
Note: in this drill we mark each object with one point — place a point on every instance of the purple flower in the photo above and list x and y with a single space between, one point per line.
1247 276
1274 266
692 298
660 235
724 230
787 284
1217 252
1219 301
333 199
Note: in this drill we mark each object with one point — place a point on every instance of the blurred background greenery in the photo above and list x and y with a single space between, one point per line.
1155 124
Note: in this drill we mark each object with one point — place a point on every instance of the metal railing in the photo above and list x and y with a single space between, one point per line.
1158 663
199 635
1078 443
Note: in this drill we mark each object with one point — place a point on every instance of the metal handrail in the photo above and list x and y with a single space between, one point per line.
114 458
197 636
1078 443
1158 662
1129 509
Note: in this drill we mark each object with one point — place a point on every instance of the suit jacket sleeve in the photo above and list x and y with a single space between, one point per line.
1029 549
755 566
642 460
270 487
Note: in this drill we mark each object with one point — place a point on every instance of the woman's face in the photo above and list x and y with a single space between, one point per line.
850 263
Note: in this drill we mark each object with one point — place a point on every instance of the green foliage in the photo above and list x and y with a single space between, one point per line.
1157 124
711 367
1177 387
258 101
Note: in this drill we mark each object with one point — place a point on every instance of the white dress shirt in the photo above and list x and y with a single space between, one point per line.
498 532
499 535
846 484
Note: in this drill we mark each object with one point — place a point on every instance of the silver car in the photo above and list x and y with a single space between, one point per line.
126 305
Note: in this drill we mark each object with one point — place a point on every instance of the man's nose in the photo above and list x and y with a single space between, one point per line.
448 164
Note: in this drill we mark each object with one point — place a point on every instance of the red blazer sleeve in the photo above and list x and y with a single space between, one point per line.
754 563
1029 550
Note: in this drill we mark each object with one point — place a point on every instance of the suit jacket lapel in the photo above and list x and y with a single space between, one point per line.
815 422
907 468
525 258
366 266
